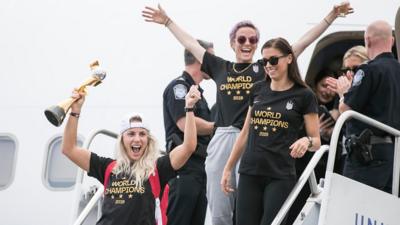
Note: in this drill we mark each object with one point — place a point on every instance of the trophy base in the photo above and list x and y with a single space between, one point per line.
55 115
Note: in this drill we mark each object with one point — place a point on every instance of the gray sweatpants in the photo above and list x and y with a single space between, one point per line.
218 151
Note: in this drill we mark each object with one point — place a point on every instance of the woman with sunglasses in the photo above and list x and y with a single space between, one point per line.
353 58
269 142
234 81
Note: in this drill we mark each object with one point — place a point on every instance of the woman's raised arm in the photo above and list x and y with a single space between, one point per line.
160 16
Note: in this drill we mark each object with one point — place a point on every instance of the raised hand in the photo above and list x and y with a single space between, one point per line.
343 9
349 74
156 15
192 96
340 85
343 85
332 84
79 97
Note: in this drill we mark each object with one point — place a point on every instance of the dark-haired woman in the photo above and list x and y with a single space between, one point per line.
234 81
269 142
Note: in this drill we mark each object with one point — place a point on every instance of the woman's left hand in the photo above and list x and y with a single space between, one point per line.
343 9
192 96
299 148
226 182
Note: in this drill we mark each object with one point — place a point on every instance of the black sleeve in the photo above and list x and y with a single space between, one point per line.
310 102
212 65
358 95
98 166
175 98
165 170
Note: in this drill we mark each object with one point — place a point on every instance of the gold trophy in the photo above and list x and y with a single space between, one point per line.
56 114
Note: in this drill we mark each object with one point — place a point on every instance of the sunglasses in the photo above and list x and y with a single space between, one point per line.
352 69
273 60
242 39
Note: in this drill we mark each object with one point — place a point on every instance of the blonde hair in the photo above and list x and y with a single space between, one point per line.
357 51
139 170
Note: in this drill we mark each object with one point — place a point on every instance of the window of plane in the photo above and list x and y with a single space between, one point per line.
59 172
329 51
8 159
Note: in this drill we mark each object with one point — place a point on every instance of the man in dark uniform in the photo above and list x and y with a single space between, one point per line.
187 196
374 92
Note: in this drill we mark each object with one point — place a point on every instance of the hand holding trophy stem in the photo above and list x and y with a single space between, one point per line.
56 114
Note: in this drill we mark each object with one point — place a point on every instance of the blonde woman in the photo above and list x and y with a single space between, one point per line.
128 194
352 59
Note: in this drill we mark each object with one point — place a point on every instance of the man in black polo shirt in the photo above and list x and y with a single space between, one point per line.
187 196
374 92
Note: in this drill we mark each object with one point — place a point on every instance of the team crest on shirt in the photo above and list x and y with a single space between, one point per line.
289 105
180 91
358 77
255 68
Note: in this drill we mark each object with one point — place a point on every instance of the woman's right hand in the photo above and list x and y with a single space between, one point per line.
343 85
226 181
155 15
340 85
79 98
325 127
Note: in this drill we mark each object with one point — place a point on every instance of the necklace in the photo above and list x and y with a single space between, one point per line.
240 71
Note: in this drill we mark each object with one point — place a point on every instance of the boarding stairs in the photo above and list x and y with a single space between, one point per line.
336 200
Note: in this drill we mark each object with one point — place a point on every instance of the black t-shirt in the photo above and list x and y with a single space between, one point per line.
375 92
124 203
276 118
334 104
234 82
174 109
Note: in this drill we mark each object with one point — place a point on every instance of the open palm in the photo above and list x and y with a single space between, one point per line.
155 15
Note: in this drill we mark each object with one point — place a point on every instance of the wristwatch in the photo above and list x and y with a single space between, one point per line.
189 109
74 114
310 144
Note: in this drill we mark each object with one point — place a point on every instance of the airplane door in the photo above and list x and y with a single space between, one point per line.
397 32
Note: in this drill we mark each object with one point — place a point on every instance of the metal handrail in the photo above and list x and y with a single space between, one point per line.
350 114
308 174
85 212
100 190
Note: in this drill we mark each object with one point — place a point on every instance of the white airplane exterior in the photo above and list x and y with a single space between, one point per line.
45 51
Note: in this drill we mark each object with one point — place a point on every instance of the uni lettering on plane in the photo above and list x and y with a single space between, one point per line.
360 220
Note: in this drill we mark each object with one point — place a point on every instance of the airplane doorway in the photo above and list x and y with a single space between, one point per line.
329 51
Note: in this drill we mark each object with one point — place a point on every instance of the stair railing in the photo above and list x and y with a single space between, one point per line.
100 190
